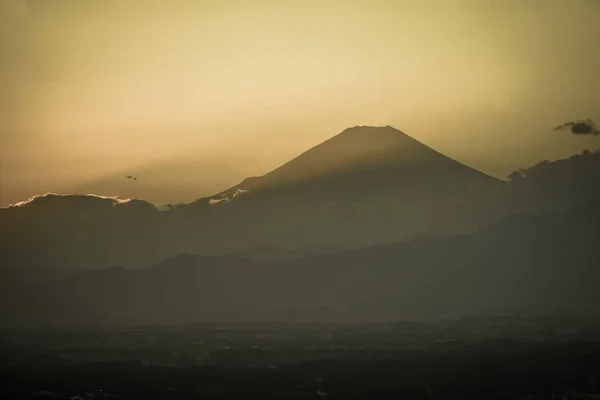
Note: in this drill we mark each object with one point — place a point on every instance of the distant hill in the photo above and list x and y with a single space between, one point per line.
79 232
555 186
521 265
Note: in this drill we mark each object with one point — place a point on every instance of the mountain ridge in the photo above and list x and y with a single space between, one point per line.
515 267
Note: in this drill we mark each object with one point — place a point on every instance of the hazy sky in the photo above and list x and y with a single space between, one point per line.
192 96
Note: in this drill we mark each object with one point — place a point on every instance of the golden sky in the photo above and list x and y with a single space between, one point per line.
192 96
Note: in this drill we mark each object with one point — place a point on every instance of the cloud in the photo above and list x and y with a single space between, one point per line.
49 197
580 127
213 202
238 192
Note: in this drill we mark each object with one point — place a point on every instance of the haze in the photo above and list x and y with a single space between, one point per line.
194 96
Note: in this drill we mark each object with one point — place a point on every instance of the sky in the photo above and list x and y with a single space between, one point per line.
192 96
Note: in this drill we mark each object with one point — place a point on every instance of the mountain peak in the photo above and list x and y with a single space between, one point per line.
374 141
369 130
372 150
370 127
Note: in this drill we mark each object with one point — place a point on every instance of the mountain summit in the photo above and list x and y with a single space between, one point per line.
364 158
364 186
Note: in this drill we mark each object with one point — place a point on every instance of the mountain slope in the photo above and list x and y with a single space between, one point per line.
527 265
388 156
365 186
555 186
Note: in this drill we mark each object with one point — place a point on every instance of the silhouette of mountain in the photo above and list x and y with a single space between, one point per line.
340 166
555 187
79 232
364 187
521 265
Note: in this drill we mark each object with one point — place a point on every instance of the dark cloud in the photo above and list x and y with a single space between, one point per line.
580 127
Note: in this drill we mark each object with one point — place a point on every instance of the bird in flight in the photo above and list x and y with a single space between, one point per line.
131 177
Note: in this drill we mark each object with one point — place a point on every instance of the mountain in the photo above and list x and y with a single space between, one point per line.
365 186
79 232
555 186
521 266
360 159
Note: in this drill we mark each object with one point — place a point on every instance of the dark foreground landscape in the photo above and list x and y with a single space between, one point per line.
475 358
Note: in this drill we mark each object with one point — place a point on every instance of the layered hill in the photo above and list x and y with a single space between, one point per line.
520 266
366 186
